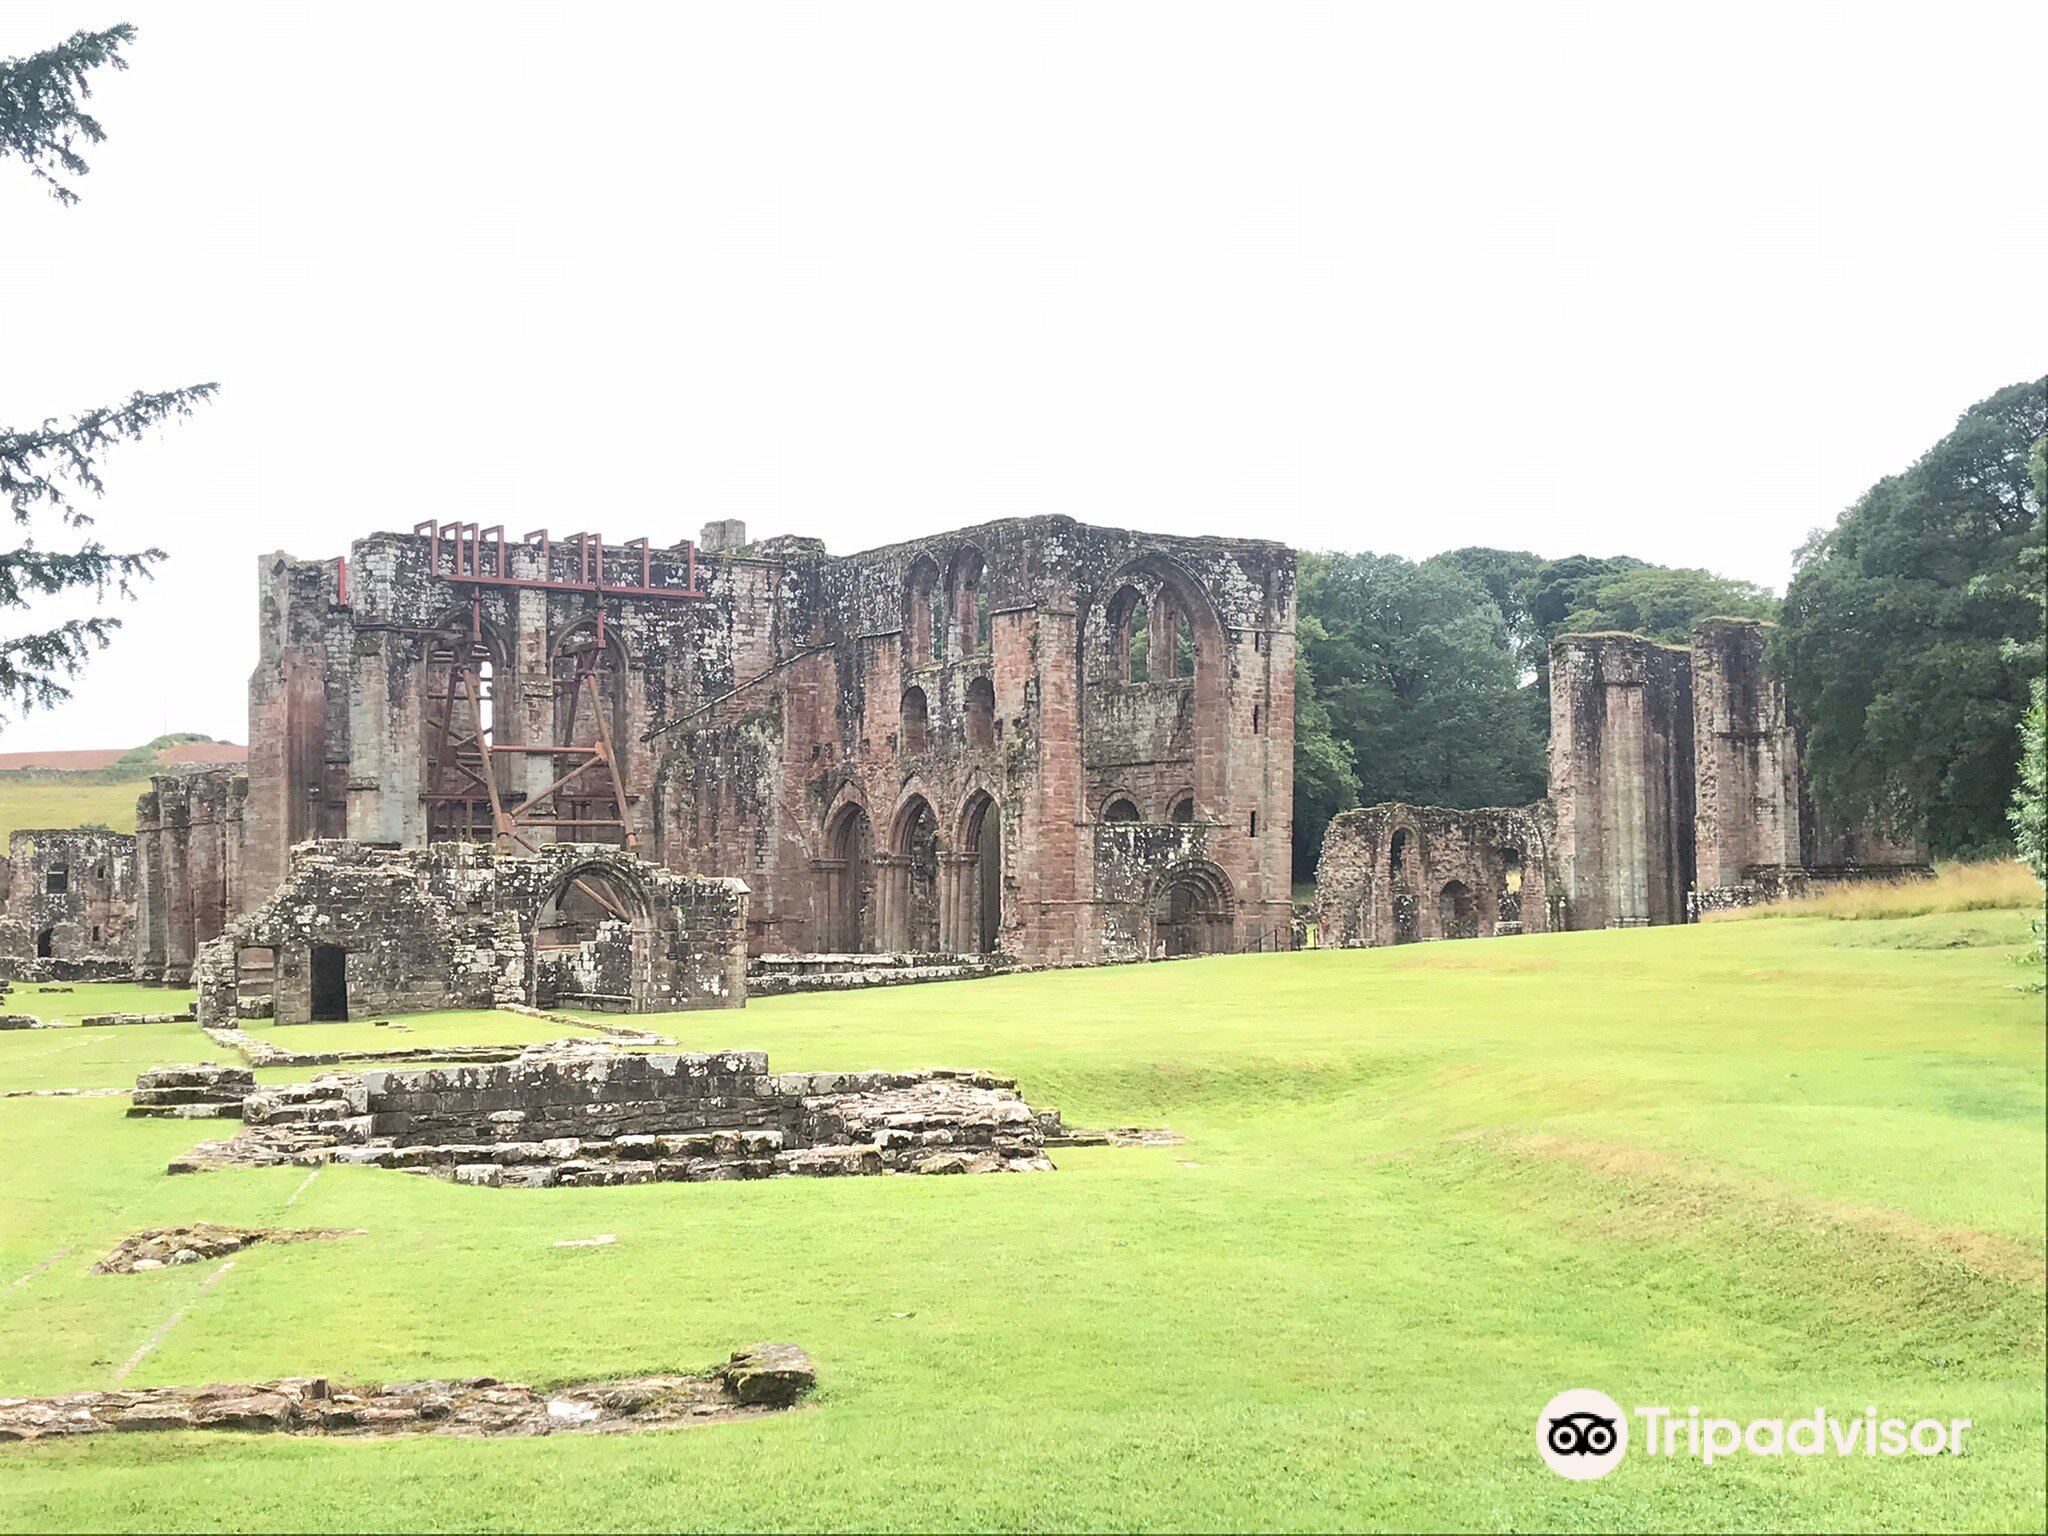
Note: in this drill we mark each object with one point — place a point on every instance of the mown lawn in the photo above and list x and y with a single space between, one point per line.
1753 1166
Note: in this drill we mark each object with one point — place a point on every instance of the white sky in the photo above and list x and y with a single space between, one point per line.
1672 281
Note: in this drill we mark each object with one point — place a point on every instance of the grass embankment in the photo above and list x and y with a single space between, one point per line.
1995 885
56 801
1753 1166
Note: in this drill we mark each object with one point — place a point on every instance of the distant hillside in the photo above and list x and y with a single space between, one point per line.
98 787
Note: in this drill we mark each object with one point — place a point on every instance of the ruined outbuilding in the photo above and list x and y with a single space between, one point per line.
357 930
1030 740
67 904
1676 788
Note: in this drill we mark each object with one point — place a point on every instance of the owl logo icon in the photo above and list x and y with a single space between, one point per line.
1581 1434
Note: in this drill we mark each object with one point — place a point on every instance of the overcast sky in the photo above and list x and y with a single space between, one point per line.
1678 282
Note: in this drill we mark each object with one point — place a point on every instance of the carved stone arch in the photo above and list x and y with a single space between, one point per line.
1403 875
844 914
1190 909
911 916
974 923
590 937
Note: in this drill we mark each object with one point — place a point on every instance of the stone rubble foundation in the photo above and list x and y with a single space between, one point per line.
763 1379
160 1247
588 1114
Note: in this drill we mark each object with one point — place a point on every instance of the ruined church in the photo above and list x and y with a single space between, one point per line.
1031 742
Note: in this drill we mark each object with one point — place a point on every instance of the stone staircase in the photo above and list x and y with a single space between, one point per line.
776 975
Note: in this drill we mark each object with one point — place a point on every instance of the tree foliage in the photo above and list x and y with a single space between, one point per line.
42 116
1409 671
45 469
1912 633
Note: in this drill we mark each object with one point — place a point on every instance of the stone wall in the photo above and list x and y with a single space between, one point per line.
1746 766
67 903
358 930
1621 778
1397 874
188 836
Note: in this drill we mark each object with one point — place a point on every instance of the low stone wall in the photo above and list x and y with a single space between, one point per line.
583 1115
763 1379
194 1092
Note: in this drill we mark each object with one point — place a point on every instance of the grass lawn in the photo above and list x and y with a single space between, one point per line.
74 1000
457 1027
1753 1166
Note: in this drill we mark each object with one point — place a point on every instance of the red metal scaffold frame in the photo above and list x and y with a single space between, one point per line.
463 795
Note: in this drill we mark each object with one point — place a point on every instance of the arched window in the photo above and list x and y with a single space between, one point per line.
1120 807
1182 811
1397 851
920 612
915 720
981 713
46 940
1173 639
1129 637
970 603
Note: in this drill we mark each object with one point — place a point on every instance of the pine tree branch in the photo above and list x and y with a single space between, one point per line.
31 664
41 119
30 571
38 467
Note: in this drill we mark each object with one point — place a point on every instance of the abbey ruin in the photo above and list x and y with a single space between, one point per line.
1676 788
555 772
1030 742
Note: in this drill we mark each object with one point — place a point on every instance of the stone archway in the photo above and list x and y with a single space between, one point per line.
912 903
848 919
1189 912
1457 914
591 941
978 877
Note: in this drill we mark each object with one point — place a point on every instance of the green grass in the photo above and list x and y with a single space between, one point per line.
75 1000
1745 1165
57 802
459 1027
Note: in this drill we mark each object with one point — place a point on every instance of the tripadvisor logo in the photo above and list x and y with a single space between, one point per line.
1582 1434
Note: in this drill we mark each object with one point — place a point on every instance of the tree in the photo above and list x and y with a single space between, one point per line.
1409 671
44 468
1912 632
1665 603
1509 577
